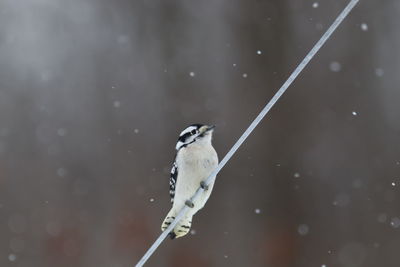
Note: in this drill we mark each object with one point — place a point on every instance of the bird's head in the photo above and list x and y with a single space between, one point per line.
195 133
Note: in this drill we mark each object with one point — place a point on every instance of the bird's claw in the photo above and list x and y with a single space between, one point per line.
204 185
172 235
189 203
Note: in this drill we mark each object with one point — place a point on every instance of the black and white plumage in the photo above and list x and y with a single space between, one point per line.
172 180
195 160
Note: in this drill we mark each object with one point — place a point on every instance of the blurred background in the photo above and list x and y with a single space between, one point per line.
94 93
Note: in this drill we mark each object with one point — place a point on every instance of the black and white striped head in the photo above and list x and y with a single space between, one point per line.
195 133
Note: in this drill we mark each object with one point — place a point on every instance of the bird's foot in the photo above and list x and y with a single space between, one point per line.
189 203
204 185
172 235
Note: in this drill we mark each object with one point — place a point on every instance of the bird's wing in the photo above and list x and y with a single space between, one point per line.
172 180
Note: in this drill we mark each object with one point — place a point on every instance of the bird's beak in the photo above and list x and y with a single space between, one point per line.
210 128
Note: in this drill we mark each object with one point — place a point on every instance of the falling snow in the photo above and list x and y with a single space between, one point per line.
395 222
354 113
257 211
122 39
244 75
379 72
116 104
192 74
12 257
303 229
315 4
335 66
341 200
364 27
61 132
61 172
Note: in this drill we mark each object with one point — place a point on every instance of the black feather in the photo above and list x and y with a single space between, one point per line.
172 180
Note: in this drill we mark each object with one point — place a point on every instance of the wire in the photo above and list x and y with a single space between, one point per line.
253 125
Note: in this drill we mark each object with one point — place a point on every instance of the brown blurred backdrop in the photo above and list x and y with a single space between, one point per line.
93 94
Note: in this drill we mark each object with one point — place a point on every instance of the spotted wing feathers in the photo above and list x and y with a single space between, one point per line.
172 181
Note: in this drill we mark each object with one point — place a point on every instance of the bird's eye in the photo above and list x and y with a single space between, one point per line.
193 132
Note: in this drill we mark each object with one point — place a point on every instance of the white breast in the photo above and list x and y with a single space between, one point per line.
195 164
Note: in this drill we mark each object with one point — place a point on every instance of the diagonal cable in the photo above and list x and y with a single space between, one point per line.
252 126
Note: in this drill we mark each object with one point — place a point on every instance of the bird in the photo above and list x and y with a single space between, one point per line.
194 162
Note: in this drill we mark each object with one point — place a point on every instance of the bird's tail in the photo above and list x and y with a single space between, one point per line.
182 227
